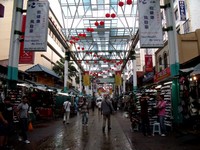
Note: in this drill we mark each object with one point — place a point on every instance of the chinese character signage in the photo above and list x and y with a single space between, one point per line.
182 10
118 79
162 75
86 78
150 24
148 63
36 26
25 57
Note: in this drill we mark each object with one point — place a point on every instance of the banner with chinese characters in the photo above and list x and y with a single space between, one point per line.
150 24
86 78
118 79
162 75
36 26
148 63
182 10
25 57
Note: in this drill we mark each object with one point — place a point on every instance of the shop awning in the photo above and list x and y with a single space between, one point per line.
40 68
196 70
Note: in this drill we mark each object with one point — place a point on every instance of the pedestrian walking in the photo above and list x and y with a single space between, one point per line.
107 110
145 115
93 102
85 111
66 107
161 106
22 110
8 115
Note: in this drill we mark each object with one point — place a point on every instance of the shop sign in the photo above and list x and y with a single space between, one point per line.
150 24
162 75
1 11
182 10
147 77
36 26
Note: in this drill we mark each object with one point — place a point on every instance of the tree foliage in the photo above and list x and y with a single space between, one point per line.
72 71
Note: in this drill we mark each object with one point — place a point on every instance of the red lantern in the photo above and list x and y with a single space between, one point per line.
77 39
78 47
91 30
88 29
121 3
107 15
129 2
80 34
82 48
113 15
84 35
96 23
101 23
73 37
71 42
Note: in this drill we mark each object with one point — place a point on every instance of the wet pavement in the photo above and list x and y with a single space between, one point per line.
54 135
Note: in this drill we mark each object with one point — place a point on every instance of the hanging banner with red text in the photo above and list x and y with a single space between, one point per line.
118 79
148 63
150 24
162 75
25 57
36 26
86 78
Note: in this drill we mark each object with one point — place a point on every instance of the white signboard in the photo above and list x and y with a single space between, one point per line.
36 26
150 25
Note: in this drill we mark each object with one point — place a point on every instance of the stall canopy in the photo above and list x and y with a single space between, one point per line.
196 70
40 68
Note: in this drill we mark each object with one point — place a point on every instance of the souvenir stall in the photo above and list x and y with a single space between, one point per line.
42 101
190 99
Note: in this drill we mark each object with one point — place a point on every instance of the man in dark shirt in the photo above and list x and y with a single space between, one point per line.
8 115
144 115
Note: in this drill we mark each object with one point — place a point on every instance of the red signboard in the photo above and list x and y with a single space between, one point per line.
162 75
1 10
25 57
148 63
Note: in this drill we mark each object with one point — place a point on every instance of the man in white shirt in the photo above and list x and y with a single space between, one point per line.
66 106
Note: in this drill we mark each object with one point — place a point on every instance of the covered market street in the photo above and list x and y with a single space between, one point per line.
54 135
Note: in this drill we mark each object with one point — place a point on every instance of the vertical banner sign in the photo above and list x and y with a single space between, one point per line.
182 10
25 57
86 78
148 63
36 26
118 79
150 24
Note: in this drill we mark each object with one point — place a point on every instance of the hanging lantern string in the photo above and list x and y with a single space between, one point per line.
121 20
126 20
